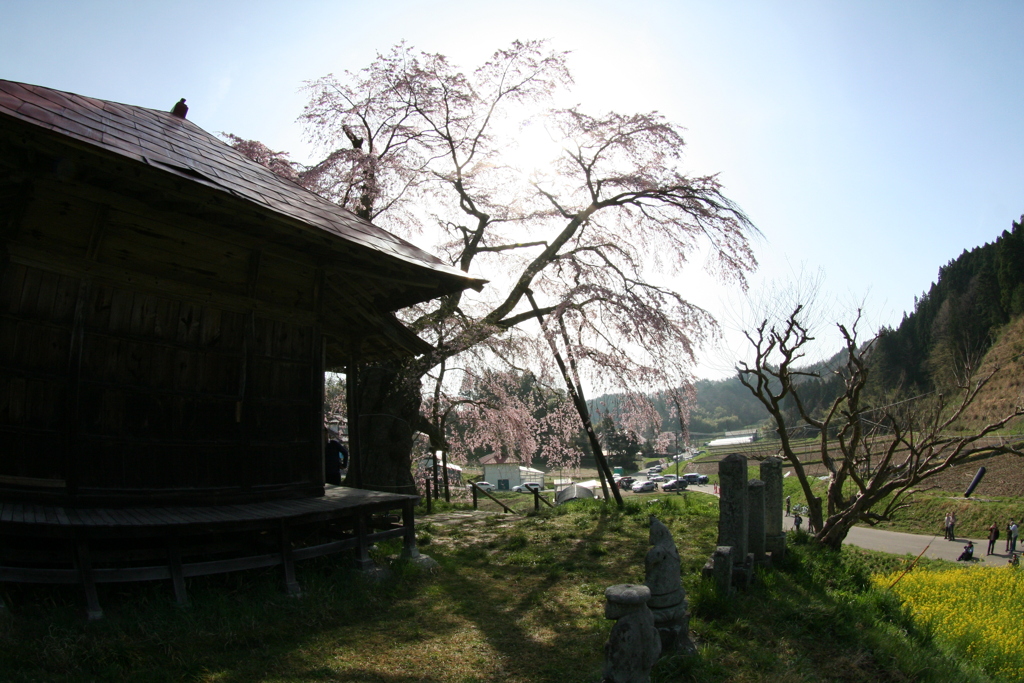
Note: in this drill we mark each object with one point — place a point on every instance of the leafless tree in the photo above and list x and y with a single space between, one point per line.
595 232
875 450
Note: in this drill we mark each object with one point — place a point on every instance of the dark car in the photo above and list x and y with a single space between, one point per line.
694 478
626 482
674 485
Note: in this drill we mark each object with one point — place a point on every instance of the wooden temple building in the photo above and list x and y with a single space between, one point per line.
168 309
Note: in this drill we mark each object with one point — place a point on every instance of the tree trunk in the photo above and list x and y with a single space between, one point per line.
815 515
389 406
836 527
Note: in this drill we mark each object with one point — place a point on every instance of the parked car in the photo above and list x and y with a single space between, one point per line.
694 478
486 486
528 487
670 477
625 483
642 486
674 485
656 477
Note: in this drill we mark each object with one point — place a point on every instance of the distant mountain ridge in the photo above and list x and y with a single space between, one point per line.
953 326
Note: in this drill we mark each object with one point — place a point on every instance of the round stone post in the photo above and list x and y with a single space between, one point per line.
634 644
755 519
732 505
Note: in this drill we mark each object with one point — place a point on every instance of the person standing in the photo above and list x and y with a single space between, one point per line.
952 526
787 506
1009 534
1013 536
332 462
945 527
797 519
993 536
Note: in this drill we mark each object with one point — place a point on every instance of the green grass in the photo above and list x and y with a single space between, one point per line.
927 511
516 599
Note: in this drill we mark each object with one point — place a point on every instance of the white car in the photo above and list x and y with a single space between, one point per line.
486 486
642 486
528 487
656 477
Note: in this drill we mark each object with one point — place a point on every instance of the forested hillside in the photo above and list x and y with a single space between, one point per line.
954 323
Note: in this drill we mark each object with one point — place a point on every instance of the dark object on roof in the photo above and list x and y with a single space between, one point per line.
180 109
168 309
574 492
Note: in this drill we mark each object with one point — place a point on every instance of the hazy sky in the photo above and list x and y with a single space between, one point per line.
873 141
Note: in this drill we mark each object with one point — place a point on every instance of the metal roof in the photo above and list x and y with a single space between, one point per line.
178 146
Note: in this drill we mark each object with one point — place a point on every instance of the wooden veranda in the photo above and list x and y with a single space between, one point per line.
88 546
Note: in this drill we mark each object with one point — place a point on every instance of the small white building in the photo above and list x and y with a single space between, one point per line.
731 441
734 438
505 475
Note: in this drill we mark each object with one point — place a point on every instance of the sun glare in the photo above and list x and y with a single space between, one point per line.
532 150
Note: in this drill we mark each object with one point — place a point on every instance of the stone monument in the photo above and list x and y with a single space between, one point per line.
668 598
755 521
774 536
733 516
719 569
634 644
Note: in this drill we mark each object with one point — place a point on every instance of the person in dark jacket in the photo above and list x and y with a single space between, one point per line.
968 554
332 462
993 536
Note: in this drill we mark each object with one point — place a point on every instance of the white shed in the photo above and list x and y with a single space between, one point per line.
509 474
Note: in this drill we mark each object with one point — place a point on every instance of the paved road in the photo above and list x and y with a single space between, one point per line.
900 543
938 548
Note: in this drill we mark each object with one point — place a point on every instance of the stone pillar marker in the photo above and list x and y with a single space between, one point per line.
771 475
634 644
755 520
668 598
719 569
775 536
732 505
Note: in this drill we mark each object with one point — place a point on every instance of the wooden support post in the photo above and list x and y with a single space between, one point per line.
473 487
355 454
93 611
409 549
429 504
291 585
536 500
363 560
444 470
177 573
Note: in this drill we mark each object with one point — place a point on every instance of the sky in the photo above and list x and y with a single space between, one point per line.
870 142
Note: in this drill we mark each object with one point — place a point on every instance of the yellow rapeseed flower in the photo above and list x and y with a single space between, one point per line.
976 611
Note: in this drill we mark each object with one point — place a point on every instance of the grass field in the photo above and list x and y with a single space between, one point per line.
516 599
